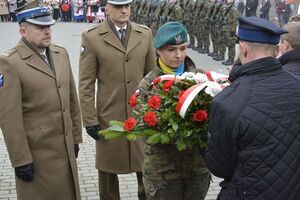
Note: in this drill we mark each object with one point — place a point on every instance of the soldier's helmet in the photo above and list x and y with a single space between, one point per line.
34 13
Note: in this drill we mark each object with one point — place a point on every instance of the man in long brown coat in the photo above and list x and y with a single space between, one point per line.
117 62
39 111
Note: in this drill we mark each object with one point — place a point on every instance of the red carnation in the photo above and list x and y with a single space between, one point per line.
200 116
180 93
157 80
132 101
154 102
167 85
129 124
150 118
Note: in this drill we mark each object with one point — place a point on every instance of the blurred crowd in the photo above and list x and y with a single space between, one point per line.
63 10
284 9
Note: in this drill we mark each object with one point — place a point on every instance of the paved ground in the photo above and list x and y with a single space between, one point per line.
68 35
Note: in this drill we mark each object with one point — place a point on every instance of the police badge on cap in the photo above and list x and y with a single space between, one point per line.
35 14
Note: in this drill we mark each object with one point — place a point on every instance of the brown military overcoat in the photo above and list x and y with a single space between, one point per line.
118 72
40 121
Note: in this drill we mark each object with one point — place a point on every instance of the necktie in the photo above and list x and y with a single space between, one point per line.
122 38
45 58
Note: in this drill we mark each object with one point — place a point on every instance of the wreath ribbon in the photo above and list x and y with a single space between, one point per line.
187 97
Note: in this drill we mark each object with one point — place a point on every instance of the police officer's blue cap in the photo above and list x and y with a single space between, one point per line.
254 29
119 2
35 14
170 33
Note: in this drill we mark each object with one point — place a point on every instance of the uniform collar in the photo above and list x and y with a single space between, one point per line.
254 67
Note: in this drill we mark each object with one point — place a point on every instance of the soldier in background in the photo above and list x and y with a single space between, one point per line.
204 27
173 11
214 28
159 14
196 23
146 11
229 39
218 22
188 8
134 7
152 15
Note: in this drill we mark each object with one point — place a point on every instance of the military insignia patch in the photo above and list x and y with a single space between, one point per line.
1 80
178 39
82 50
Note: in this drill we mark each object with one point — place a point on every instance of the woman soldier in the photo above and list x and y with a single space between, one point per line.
170 173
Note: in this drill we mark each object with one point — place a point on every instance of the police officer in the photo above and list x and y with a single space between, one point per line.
169 173
121 56
254 122
40 116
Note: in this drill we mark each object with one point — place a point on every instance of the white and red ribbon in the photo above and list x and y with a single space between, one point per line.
187 97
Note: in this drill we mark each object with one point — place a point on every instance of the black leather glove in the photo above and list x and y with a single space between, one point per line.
76 149
93 131
25 172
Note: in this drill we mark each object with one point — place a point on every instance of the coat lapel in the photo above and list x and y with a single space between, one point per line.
110 37
135 37
31 58
56 60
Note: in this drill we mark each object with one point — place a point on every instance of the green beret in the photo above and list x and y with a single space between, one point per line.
170 33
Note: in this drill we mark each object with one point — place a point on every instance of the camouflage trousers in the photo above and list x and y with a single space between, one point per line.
228 40
171 174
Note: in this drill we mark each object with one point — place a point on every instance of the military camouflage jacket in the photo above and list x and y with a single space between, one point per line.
145 84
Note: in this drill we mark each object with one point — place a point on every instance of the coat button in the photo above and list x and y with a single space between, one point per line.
58 86
126 60
128 82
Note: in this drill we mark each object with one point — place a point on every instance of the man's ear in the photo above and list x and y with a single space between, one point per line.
286 45
22 30
106 9
244 49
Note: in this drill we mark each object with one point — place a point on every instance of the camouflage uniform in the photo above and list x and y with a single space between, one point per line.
169 173
159 15
152 19
219 26
203 30
214 28
196 23
141 10
229 29
188 8
134 7
173 12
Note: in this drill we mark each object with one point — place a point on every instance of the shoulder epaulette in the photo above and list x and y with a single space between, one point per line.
59 46
143 26
91 28
9 52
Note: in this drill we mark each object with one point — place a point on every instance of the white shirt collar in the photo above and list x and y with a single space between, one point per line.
118 28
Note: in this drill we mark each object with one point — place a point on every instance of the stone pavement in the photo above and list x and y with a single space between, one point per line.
68 35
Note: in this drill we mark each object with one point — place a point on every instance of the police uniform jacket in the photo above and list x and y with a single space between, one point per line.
118 70
254 127
40 121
